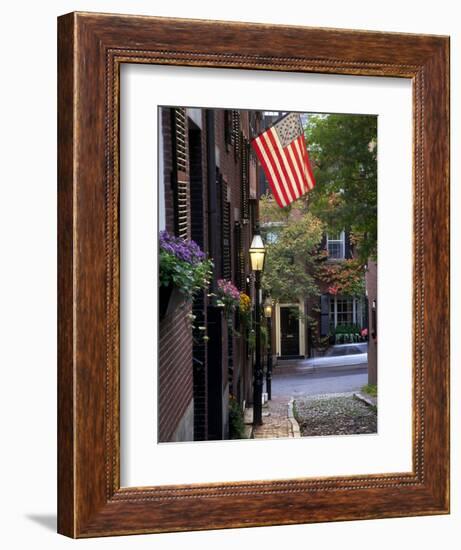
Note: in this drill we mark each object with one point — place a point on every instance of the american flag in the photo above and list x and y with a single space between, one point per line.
282 152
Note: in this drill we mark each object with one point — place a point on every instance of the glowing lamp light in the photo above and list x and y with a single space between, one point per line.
257 253
268 308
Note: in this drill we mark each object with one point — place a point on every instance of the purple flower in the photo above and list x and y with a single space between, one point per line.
185 250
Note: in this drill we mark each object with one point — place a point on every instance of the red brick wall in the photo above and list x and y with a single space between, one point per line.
174 372
182 381
230 165
175 337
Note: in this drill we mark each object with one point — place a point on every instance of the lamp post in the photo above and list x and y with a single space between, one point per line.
268 316
257 256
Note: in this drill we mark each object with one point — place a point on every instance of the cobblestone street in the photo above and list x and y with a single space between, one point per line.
334 414
309 403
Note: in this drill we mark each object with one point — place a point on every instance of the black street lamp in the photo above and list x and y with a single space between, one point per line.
257 256
268 316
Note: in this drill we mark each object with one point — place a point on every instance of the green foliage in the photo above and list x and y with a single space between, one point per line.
348 329
189 278
271 213
251 338
320 343
236 420
345 334
264 337
343 152
345 277
245 310
289 273
370 389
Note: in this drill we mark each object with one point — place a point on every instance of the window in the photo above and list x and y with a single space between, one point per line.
336 246
345 310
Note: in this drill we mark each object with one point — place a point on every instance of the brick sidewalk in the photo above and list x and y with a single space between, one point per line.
278 420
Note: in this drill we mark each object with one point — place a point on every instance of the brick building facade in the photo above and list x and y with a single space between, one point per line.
207 192
296 337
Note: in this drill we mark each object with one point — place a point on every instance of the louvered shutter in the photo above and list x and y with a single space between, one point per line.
239 257
245 183
236 133
180 185
226 233
347 245
324 314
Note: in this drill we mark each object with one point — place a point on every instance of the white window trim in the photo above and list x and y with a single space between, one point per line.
342 241
356 309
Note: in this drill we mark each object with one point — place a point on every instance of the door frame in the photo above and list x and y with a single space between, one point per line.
278 328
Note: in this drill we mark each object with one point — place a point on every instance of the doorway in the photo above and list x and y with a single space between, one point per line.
289 331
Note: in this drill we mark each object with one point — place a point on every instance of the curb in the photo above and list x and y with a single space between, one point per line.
248 431
367 400
281 368
291 418
320 368
248 421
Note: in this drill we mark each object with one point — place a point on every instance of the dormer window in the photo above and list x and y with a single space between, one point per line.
336 246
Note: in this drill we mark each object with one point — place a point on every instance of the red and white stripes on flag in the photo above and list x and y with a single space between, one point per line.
282 152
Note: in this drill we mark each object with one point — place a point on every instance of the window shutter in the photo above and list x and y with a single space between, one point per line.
226 234
181 161
245 183
323 244
324 314
180 136
347 245
182 217
239 257
236 133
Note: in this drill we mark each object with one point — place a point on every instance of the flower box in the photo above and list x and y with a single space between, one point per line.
169 299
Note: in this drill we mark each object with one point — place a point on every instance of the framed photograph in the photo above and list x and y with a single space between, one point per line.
253 259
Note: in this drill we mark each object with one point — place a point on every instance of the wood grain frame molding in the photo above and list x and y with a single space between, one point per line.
91 49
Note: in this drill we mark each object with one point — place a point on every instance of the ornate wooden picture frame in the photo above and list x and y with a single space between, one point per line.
92 48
